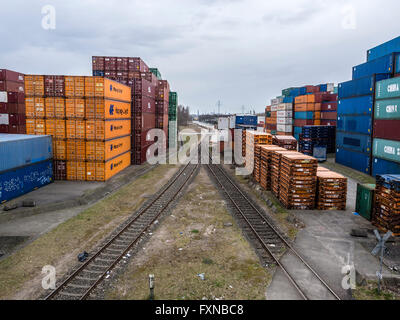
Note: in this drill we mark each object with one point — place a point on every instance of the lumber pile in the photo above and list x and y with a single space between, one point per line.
287 142
276 169
266 158
332 190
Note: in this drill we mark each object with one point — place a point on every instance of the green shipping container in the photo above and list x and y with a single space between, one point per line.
387 149
387 89
365 200
173 97
156 72
387 109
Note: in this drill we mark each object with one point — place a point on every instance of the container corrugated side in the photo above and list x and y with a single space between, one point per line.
388 89
384 49
359 87
388 109
382 166
353 159
356 106
21 150
387 129
355 124
16 182
387 149
353 141
383 64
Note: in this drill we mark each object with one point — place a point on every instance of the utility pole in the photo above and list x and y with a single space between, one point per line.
219 106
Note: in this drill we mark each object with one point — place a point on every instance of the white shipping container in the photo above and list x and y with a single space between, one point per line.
274 108
4 118
331 87
285 107
284 128
261 119
284 114
232 122
287 121
3 96
276 101
223 123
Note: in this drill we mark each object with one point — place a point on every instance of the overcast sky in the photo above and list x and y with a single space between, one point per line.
240 52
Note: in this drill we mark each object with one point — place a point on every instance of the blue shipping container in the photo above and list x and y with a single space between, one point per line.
288 100
16 182
18 150
381 166
247 120
297 130
383 64
323 87
297 136
98 73
356 106
355 124
360 87
384 49
353 141
353 159
305 115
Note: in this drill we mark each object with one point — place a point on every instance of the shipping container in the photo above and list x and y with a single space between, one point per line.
76 150
360 87
143 104
388 89
19 181
21 150
75 108
12 97
54 86
108 129
76 170
357 105
107 109
11 86
383 64
106 170
365 200
18 108
8 75
60 170
302 123
13 128
353 159
34 85
329 106
387 129
388 109
156 72
60 149
387 149
246 120
106 150
352 141
223 123
143 121
355 124
12 119
106 88
384 49
35 126
381 167
329 123
75 129
142 87
329 115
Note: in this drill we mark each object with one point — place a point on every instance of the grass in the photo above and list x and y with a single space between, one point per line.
370 292
79 233
231 268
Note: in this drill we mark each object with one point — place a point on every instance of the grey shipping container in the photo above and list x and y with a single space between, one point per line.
17 150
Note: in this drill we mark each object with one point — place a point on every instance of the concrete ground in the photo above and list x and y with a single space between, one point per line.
55 203
326 243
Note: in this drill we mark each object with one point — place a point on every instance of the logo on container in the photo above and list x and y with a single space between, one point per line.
111 128
111 87
112 109
112 166
393 87
111 147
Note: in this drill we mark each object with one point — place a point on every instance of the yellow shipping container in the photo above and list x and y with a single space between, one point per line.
34 85
105 88
105 150
105 130
105 170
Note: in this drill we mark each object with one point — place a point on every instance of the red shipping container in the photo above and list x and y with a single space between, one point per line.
387 129
149 76
312 89
330 115
302 123
18 119
139 156
328 123
137 64
162 107
122 64
110 63
60 170
11 86
162 121
143 121
54 86
134 75
162 90
110 74
270 126
141 139
142 87
143 104
14 129
12 97
98 63
9 75
12 108
323 97
329 106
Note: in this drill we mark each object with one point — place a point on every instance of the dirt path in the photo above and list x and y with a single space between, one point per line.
200 237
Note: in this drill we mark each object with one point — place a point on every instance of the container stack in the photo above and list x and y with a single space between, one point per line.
270 121
355 123
266 170
317 136
284 119
286 142
387 204
329 113
12 102
173 120
162 106
89 119
27 166
276 162
298 181
332 191
386 141
254 140
156 72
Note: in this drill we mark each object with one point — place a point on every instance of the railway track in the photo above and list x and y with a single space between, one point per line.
269 242
81 283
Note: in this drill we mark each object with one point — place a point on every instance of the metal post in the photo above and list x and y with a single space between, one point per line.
151 285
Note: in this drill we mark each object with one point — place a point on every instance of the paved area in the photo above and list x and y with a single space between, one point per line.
326 243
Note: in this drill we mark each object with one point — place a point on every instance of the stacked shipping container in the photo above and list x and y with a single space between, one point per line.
173 120
12 102
89 119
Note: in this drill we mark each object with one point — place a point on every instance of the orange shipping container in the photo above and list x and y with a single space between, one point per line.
34 85
76 170
50 107
109 109
60 150
59 108
105 88
105 150
106 130
75 108
302 107
61 131
35 126
75 129
108 169
310 98
51 127
74 86
34 107
90 108
76 150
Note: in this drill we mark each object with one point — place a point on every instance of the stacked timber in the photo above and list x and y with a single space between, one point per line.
276 159
266 170
287 142
332 190
298 181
